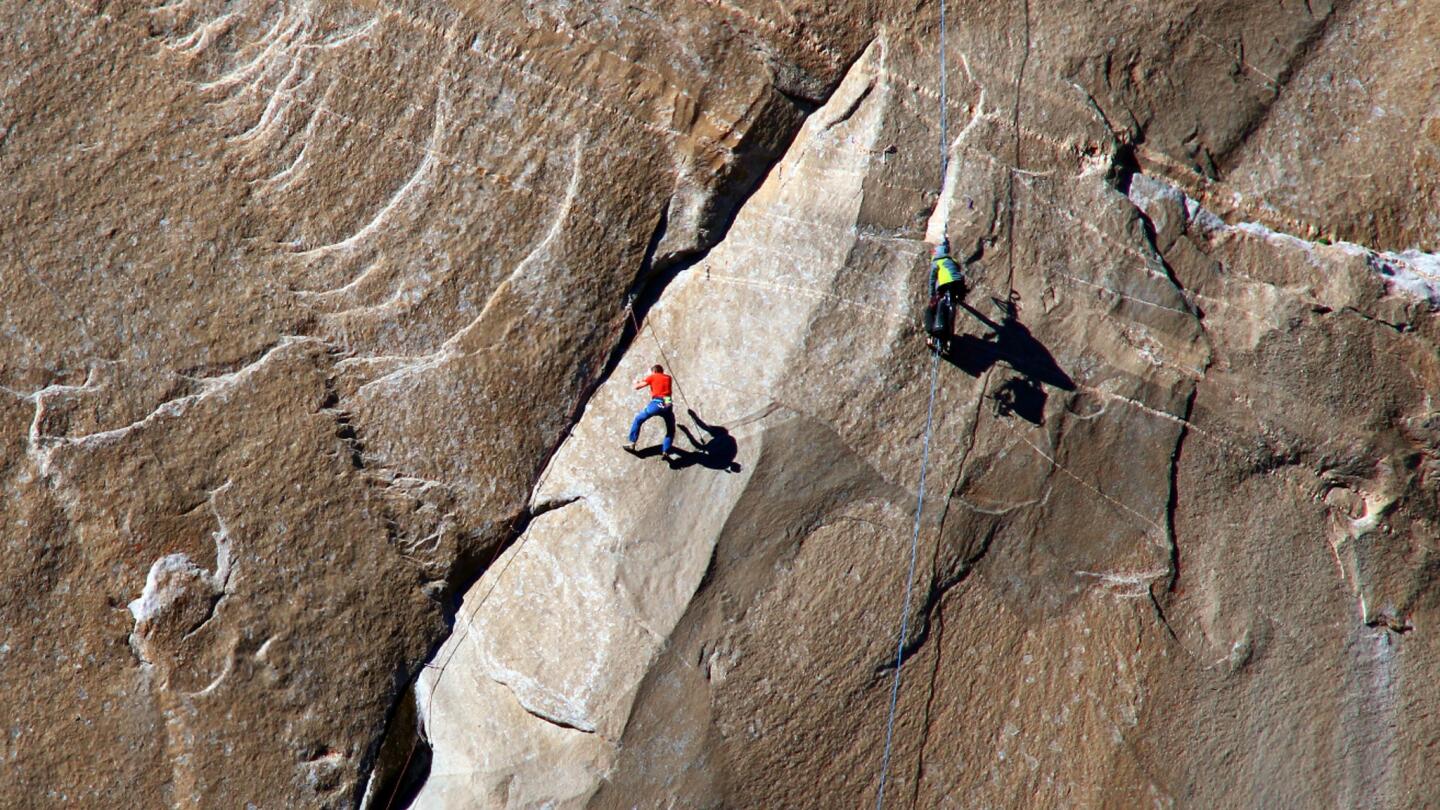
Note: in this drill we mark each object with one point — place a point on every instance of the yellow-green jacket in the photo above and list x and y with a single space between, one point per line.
946 271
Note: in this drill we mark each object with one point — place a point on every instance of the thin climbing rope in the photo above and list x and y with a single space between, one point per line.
909 588
630 308
924 467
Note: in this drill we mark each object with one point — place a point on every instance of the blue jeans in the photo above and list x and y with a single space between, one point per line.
656 407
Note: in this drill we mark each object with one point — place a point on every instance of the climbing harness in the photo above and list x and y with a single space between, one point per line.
924 466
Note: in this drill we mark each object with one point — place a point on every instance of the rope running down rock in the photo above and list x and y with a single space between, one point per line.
924 466
630 308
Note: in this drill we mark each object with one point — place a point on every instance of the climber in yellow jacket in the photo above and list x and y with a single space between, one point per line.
949 287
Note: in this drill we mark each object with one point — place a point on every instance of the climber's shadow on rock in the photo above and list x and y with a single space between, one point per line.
1011 342
645 452
714 453
1023 397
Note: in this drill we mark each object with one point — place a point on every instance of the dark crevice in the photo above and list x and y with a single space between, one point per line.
982 242
768 138
1160 615
345 432
1216 161
210 610
405 779
939 587
651 280
1172 503
1399 328
768 135
401 759
1393 624
928 718
1152 239
1124 165
936 594
852 108
545 507
344 428
800 101
939 614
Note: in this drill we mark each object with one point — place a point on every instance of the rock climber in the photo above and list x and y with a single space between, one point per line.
659 405
949 287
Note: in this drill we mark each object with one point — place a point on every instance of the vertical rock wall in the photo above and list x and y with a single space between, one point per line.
1148 574
313 326
299 297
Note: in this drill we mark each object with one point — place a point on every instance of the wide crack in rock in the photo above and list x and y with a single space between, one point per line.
613 606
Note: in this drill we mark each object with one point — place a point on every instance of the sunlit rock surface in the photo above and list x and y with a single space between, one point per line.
316 368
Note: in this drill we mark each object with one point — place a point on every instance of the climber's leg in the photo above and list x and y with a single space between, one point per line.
653 408
668 414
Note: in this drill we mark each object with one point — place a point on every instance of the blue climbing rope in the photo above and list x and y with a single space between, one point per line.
924 467
909 587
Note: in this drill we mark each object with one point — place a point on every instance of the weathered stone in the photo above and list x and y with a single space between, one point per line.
315 369
1068 612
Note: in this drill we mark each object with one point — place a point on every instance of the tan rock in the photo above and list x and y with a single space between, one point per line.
315 368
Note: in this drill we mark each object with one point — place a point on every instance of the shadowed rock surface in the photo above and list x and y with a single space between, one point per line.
316 368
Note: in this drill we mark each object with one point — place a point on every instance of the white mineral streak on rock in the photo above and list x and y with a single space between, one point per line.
1366 741
1410 272
541 684
164 585
940 218
1414 273
1146 192
1207 219
411 193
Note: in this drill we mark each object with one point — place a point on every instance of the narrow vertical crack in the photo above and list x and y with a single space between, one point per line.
1172 502
933 598
927 720
1161 617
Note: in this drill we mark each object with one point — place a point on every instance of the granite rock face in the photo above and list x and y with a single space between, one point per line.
316 365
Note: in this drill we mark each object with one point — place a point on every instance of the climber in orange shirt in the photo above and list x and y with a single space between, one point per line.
659 405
